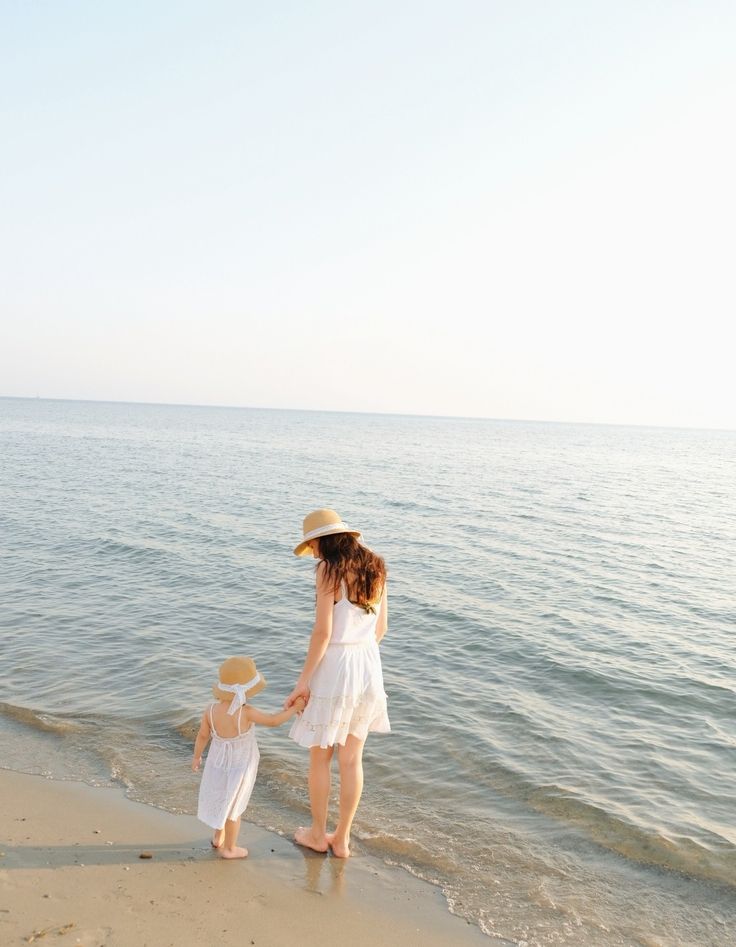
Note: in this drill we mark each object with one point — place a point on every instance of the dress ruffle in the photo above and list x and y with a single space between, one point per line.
326 721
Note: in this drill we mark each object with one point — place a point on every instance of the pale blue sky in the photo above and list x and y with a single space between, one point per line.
518 210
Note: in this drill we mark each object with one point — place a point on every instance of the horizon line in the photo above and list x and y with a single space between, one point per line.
390 414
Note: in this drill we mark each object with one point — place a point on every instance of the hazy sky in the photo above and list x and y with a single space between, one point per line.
503 209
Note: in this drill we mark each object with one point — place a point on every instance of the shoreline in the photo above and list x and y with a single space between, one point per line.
71 866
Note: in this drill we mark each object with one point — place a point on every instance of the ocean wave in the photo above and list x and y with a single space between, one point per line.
188 728
40 720
409 851
129 550
633 683
616 833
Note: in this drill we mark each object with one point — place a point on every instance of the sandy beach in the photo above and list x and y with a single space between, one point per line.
71 872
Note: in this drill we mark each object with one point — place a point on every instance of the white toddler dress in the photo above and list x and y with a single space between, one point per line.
347 694
228 777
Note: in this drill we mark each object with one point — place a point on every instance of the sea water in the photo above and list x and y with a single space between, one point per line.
559 660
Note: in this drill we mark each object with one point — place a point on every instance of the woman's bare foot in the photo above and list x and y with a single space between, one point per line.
233 852
218 838
307 839
340 848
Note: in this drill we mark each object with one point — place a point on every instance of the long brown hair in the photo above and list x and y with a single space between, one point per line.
347 560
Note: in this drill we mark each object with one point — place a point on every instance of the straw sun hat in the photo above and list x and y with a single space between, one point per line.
239 671
321 523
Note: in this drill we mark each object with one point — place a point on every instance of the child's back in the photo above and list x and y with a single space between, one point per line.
227 725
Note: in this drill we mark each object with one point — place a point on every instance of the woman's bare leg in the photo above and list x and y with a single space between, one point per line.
350 759
319 797
229 848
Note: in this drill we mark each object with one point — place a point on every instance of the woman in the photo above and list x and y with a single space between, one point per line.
342 678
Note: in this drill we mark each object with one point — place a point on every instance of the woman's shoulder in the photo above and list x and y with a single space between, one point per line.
320 577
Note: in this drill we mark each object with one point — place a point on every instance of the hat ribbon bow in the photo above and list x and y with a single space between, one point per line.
240 692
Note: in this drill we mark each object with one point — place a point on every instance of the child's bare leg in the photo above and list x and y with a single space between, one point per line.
350 759
218 837
319 797
229 848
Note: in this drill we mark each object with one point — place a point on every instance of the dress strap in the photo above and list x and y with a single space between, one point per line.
212 722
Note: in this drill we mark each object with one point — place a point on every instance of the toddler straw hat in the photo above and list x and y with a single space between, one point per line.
239 677
321 523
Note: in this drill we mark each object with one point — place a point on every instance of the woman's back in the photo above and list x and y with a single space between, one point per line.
353 624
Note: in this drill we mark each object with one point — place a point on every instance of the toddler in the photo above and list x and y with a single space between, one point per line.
232 761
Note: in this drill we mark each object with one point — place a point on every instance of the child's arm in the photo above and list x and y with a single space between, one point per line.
201 742
274 720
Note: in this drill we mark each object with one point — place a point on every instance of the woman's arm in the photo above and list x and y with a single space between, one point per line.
274 720
321 634
201 742
382 623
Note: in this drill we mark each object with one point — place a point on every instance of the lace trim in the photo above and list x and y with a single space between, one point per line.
338 699
314 727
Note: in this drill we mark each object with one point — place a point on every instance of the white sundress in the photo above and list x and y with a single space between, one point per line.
347 695
229 774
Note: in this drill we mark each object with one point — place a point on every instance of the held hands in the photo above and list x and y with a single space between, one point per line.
299 704
300 691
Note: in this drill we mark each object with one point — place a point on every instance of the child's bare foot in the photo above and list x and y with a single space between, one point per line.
233 852
218 838
340 848
307 838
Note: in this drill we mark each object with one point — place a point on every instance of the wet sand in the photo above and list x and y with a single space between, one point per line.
71 874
